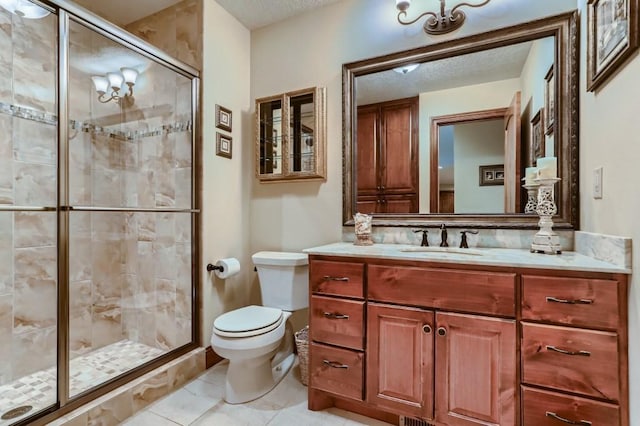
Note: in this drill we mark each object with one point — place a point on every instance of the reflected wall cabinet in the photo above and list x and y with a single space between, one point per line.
291 136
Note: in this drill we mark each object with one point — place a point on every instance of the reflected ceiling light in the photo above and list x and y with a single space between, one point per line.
24 8
112 82
446 21
406 69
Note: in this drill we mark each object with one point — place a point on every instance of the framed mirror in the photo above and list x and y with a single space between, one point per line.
444 133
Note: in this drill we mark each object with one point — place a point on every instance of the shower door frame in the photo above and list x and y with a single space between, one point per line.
67 11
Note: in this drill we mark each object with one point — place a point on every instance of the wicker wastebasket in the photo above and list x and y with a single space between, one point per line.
302 344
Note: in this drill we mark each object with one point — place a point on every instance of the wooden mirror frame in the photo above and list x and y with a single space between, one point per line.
565 29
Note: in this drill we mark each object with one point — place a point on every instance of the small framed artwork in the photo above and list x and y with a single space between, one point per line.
549 101
492 175
223 118
612 35
537 137
224 145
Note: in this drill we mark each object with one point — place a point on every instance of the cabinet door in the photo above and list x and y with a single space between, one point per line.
475 370
399 147
367 179
400 359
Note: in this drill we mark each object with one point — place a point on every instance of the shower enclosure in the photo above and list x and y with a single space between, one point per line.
98 207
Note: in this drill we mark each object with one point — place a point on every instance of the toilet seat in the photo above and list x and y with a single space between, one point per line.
248 321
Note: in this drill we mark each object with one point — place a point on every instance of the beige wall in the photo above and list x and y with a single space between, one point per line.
609 137
226 182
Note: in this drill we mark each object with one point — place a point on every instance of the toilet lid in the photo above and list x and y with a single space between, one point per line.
247 321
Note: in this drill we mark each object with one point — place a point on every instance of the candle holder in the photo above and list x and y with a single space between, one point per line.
546 241
532 197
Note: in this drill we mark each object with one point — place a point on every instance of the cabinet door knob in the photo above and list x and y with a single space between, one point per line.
442 331
567 421
426 328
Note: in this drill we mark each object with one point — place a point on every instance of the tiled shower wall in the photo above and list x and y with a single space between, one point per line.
130 273
28 254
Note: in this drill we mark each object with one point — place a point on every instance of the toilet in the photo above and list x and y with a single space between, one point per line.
258 340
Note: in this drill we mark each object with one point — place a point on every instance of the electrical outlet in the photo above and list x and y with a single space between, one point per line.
597 183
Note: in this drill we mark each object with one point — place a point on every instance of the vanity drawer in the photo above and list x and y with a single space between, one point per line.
339 371
543 408
337 321
467 291
570 359
337 278
575 301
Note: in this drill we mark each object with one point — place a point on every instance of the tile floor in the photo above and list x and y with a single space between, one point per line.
88 370
200 402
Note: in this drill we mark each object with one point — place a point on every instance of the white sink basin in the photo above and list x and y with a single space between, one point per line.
442 250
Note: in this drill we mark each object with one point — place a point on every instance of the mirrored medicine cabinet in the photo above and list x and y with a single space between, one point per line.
291 136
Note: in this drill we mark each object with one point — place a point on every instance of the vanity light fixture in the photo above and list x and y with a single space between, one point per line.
24 9
446 21
406 69
113 82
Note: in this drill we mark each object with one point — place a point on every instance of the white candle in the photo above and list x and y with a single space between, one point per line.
530 173
547 167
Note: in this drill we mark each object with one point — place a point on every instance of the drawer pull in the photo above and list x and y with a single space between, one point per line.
570 302
571 422
331 315
334 364
330 278
563 351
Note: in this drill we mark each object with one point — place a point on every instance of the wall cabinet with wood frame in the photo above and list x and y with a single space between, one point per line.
387 155
440 343
291 136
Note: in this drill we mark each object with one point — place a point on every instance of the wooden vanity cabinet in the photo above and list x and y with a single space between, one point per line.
453 345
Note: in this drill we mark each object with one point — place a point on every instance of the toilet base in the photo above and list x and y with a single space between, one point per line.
250 379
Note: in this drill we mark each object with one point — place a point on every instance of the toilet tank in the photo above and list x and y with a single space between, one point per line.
284 279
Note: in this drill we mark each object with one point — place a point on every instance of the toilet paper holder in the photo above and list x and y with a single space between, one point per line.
212 267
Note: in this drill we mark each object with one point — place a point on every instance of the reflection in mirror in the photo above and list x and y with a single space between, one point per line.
301 122
271 137
422 126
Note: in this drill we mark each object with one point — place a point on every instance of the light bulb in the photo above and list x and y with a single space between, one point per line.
24 8
101 84
115 80
406 69
403 5
130 75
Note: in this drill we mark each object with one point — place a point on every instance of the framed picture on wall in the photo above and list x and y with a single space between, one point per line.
223 118
612 35
549 101
224 145
492 175
537 137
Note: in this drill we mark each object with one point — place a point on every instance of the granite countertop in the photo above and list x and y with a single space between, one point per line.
521 258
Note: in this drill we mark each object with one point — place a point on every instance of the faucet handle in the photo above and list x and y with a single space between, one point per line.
425 239
463 240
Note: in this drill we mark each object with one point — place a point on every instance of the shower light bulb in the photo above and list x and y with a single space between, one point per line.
130 75
115 80
24 8
101 84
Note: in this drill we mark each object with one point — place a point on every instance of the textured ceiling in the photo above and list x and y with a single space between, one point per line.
465 70
259 13
251 13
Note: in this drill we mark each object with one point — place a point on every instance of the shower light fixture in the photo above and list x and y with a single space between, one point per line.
406 69
113 82
446 21
24 8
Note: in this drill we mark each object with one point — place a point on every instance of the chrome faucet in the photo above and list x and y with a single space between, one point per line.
425 239
443 236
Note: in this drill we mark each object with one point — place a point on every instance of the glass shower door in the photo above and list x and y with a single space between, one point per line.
28 220
130 208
